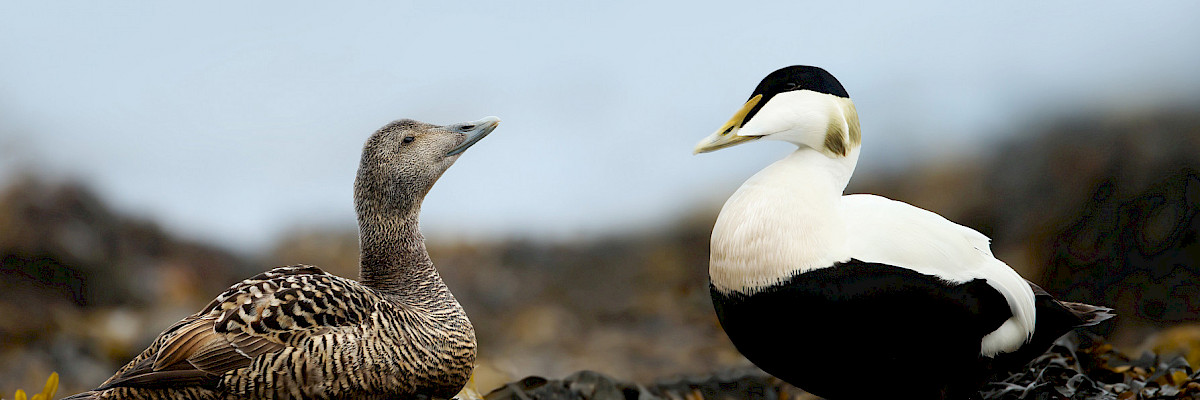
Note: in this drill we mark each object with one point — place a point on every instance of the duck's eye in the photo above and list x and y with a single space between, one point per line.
791 85
408 139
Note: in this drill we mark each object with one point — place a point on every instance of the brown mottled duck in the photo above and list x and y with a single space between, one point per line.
298 332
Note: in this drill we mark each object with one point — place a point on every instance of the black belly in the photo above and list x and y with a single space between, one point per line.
866 330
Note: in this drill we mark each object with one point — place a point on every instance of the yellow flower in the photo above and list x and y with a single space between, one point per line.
47 391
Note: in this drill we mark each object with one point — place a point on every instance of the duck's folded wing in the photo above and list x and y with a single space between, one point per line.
260 315
896 233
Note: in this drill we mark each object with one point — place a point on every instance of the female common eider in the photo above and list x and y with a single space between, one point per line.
858 296
300 333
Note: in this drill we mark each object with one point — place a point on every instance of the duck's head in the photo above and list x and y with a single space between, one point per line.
800 104
403 159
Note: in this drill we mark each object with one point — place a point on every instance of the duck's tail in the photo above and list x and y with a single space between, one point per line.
1054 319
1088 314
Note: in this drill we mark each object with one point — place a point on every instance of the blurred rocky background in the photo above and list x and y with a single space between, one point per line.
1099 207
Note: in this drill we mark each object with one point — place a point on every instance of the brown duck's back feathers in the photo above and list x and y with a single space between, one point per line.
256 316
295 317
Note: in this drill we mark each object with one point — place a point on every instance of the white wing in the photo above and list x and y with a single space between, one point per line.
886 231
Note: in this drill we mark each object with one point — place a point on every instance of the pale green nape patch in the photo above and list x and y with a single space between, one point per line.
855 133
843 133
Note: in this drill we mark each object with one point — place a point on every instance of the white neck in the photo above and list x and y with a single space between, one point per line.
781 222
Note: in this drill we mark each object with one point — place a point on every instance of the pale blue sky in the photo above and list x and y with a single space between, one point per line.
234 121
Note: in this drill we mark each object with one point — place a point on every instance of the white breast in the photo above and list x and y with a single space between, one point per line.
776 225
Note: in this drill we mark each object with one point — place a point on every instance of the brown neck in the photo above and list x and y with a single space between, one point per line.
393 257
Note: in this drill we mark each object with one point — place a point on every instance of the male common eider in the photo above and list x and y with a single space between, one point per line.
300 333
814 286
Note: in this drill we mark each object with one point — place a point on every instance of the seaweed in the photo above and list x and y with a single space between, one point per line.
1077 367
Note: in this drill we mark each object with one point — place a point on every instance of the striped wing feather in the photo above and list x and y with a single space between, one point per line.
260 315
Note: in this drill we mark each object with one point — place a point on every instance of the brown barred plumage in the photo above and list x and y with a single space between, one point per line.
300 333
